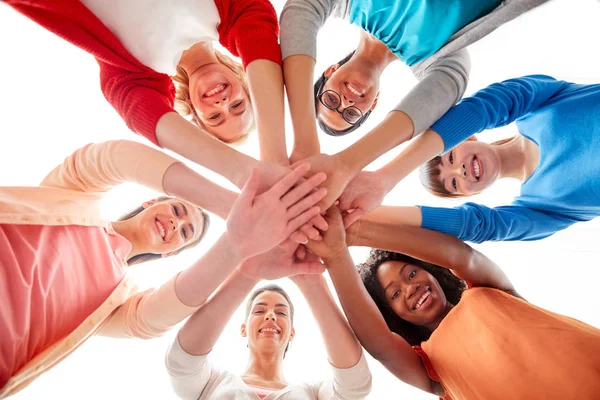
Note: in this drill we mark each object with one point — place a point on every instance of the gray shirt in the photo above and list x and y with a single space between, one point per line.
443 77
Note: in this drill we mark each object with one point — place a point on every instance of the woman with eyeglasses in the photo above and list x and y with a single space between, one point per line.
346 93
268 327
155 57
63 268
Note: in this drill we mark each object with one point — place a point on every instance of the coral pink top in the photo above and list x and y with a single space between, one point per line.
43 269
495 346
261 392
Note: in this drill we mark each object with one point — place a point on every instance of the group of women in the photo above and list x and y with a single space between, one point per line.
436 313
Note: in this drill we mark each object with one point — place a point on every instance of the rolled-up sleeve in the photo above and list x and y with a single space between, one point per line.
352 383
189 374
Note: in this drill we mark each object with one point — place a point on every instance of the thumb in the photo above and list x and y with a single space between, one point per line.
250 187
352 217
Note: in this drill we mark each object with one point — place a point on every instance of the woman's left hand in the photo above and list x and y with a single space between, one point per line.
364 193
281 262
333 243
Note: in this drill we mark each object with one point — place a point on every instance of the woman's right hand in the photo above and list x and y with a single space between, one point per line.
257 223
334 239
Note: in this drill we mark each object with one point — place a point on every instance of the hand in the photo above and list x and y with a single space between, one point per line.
279 263
306 280
338 176
298 155
334 240
257 223
364 193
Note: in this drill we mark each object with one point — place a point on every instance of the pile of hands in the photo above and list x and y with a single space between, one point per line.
294 227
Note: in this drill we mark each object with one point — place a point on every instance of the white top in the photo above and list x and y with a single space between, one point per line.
157 32
194 378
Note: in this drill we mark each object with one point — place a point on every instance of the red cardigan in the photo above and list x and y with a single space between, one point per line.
248 29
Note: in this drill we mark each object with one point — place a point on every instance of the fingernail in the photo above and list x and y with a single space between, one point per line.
319 237
306 241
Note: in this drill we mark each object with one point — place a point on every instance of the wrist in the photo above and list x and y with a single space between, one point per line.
336 257
385 179
235 252
245 276
241 171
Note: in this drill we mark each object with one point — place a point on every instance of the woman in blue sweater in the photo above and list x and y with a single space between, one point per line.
555 157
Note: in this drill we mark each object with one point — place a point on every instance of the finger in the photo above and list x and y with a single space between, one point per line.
297 193
352 217
306 203
327 201
298 238
308 268
250 187
300 253
289 181
310 232
288 244
320 223
302 219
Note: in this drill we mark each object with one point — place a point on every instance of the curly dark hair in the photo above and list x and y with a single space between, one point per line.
318 87
413 334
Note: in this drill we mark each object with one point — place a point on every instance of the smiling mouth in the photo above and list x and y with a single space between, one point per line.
162 231
476 168
354 90
270 330
216 90
424 297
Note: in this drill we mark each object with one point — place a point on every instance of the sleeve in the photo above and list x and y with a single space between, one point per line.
440 87
147 314
348 384
249 30
100 166
497 105
140 97
300 22
189 374
476 223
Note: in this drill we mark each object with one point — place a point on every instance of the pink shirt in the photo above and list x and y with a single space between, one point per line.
261 392
43 271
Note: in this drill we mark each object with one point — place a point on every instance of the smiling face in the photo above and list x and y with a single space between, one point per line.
164 227
221 102
412 293
268 326
469 168
355 88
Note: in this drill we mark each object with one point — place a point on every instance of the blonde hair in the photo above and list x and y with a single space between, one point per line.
183 101
429 174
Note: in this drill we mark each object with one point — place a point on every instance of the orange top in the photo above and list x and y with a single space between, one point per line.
71 195
493 345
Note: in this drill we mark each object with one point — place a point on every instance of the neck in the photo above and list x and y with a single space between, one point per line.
267 368
196 57
433 325
513 158
128 230
374 53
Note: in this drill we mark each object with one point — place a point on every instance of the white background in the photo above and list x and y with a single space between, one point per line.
51 104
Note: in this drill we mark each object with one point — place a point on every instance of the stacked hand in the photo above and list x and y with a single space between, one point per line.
280 262
364 193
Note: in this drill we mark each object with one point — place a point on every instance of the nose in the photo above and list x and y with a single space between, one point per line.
411 290
346 102
174 224
270 315
221 101
460 169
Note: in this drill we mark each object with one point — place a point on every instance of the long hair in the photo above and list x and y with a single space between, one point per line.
318 86
141 258
271 288
183 100
413 334
429 174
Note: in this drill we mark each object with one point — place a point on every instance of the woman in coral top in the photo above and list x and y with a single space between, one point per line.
63 267
423 324
157 56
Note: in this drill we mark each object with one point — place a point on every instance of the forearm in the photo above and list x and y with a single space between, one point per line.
203 328
196 283
184 183
182 137
343 349
266 90
392 215
395 129
298 71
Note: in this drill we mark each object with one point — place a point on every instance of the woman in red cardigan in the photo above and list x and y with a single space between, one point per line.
143 49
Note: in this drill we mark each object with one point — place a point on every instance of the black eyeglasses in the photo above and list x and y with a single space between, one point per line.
332 100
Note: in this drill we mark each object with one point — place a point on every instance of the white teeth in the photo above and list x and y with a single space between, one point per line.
422 299
353 89
272 330
476 168
216 90
161 228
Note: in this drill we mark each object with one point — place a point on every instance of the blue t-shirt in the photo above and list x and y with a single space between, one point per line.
415 29
563 119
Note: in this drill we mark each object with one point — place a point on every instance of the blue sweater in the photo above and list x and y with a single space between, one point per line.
563 119
415 29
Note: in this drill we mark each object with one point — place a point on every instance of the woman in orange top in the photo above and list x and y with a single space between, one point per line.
423 324
62 267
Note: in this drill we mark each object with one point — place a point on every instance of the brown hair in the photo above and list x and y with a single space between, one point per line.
271 288
430 171
183 101
141 258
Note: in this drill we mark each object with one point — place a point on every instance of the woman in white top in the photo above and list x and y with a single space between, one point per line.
269 329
